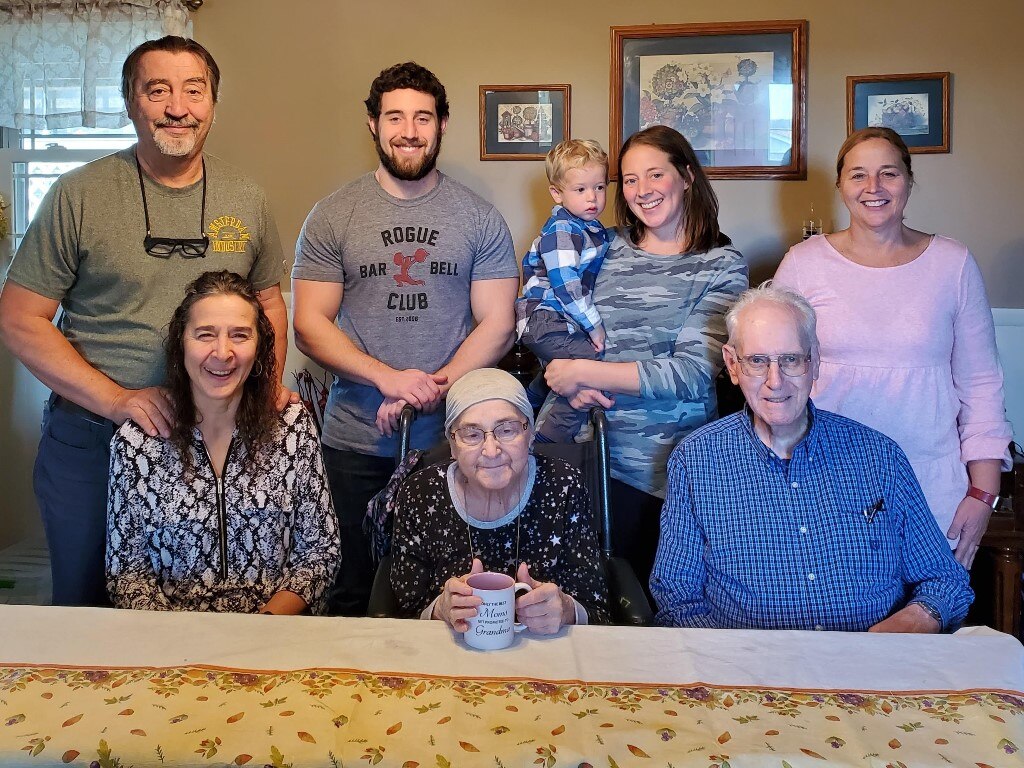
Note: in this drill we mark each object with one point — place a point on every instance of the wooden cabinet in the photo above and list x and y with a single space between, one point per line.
999 565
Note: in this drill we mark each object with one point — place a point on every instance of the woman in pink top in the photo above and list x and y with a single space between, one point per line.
907 341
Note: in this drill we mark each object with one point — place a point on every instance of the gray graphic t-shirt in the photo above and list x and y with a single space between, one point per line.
406 267
84 249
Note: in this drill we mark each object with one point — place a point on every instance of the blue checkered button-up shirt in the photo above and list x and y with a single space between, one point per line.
838 537
560 268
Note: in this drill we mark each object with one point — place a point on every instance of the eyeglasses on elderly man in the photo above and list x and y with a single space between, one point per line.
791 364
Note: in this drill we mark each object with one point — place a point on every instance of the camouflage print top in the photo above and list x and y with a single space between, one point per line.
666 313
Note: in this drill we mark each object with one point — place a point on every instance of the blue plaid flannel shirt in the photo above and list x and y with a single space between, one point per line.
560 269
838 538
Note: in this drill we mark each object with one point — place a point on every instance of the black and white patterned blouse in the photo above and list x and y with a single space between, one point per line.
554 535
178 542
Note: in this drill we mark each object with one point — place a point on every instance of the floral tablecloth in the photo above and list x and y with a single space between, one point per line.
114 689
214 716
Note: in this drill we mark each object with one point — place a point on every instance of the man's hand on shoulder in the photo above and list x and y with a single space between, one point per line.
420 389
912 618
285 397
150 408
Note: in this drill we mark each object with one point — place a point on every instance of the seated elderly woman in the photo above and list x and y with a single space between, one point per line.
496 507
233 512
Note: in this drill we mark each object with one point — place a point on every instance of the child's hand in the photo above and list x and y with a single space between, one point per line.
597 338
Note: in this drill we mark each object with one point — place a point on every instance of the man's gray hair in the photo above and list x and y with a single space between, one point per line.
775 294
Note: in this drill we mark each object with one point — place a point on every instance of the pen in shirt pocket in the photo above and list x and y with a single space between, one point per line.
870 511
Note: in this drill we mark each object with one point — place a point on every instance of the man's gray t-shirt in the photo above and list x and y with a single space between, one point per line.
406 267
84 249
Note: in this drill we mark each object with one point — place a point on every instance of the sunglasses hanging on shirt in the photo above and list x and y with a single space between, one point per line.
164 247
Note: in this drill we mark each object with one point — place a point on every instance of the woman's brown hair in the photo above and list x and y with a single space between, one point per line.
699 224
877 132
257 414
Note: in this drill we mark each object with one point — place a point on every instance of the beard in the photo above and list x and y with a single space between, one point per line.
175 146
408 170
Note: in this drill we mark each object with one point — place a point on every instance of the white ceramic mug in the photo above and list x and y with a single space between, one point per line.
495 623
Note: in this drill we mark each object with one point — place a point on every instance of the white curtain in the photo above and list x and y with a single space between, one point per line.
60 60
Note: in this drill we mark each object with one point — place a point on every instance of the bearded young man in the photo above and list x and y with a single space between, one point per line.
404 280
114 245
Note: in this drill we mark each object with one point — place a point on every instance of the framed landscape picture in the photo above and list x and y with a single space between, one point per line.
915 106
737 91
522 122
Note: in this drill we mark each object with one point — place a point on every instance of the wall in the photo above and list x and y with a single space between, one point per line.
1010 340
295 74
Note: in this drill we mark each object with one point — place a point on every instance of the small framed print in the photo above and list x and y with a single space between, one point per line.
522 122
916 106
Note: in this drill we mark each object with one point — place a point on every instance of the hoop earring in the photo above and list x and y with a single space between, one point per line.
256 373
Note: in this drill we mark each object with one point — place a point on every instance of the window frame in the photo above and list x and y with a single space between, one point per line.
12 152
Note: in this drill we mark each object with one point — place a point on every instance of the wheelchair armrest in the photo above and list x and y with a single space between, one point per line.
383 603
629 606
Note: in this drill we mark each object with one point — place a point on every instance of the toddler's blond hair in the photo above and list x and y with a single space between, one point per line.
573 153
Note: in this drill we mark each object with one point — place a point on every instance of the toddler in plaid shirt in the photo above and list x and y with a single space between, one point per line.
556 317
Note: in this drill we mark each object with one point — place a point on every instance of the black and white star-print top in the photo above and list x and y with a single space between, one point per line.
175 543
555 534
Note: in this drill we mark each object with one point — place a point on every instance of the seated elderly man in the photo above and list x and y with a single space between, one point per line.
784 516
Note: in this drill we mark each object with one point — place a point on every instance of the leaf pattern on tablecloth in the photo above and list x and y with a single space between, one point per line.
114 718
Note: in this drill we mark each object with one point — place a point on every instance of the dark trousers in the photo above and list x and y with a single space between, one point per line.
636 523
548 337
355 478
70 483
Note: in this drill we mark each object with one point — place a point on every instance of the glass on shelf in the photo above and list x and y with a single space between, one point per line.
811 227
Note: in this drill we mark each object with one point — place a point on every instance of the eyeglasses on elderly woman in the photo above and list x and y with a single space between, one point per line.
504 432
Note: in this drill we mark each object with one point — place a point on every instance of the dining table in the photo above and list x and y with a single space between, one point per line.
112 688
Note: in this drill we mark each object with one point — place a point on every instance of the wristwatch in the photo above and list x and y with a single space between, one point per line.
930 611
984 497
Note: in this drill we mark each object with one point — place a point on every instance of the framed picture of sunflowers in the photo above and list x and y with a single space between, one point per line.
737 91
522 122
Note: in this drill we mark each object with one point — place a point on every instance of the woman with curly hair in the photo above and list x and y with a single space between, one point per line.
232 512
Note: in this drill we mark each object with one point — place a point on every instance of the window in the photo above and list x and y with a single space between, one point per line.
61 62
31 160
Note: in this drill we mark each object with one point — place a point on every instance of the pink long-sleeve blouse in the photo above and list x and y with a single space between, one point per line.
910 351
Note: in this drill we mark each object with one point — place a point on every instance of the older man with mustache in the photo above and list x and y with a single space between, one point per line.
113 245
404 280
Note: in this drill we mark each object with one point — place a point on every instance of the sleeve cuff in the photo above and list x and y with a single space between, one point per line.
592 318
303 587
427 613
301 272
979 448
934 610
581 612
646 389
